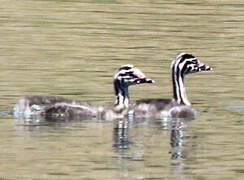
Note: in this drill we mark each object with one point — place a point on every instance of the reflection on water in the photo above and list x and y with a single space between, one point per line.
121 134
72 48
178 152
175 126
177 139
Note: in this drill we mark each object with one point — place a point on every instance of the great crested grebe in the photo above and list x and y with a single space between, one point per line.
179 106
52 106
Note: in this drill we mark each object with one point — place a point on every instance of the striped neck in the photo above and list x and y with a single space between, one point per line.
178 82
122 99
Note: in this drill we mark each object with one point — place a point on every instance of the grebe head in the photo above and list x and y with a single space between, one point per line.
184 64
187 63
129 75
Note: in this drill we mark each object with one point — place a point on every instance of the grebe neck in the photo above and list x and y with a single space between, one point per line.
179 91
122 99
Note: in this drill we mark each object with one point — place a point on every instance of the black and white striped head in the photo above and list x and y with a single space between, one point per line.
128 75
187 63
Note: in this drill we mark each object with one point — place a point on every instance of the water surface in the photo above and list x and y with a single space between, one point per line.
72 48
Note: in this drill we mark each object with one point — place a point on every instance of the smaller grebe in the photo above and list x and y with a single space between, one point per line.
52 106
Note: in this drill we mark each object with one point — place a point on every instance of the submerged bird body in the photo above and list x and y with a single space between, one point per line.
51 106
162 108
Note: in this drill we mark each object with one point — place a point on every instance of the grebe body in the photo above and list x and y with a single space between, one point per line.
179 106
52 106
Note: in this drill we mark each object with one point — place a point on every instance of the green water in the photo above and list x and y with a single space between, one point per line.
72 48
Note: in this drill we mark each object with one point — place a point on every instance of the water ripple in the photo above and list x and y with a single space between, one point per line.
236 107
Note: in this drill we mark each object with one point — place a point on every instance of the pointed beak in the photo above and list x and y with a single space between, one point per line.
140 77
204 67
144 80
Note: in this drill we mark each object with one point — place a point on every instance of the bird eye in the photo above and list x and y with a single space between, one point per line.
136 76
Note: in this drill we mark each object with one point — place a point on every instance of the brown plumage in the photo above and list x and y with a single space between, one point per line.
51 107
